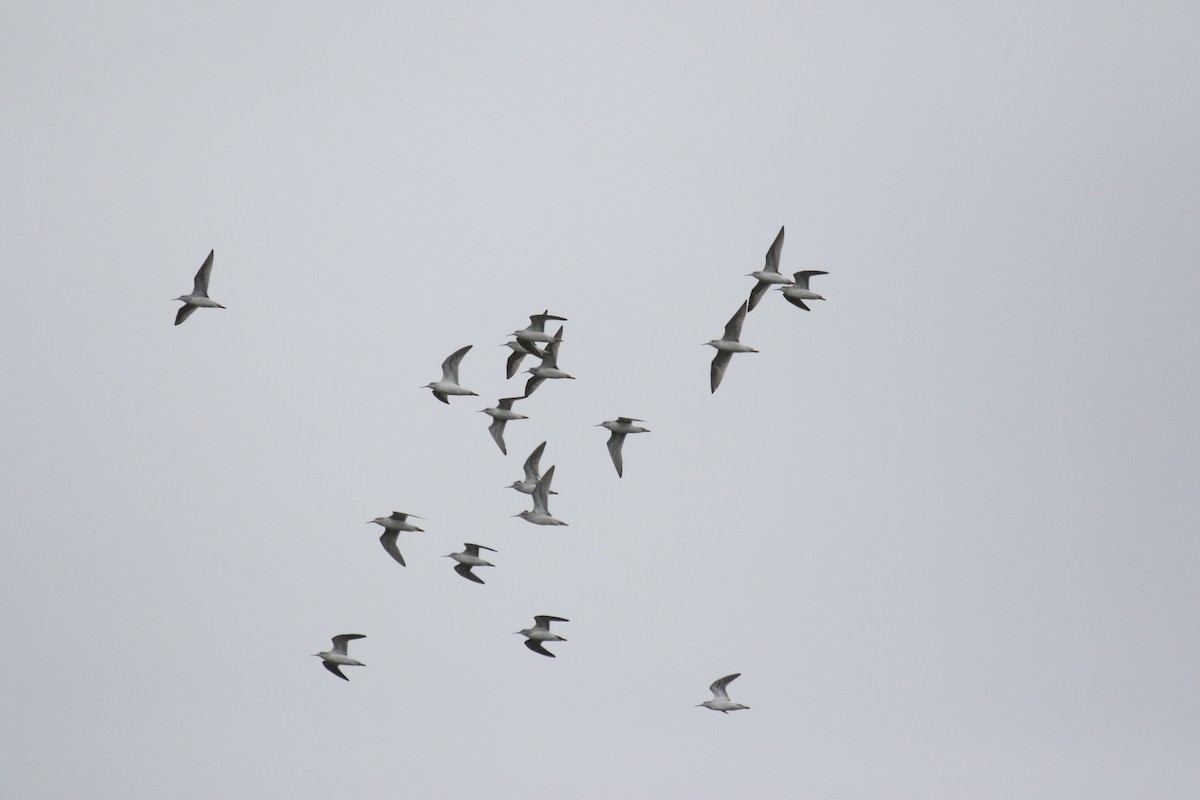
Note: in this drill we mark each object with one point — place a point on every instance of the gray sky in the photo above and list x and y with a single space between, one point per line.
945 524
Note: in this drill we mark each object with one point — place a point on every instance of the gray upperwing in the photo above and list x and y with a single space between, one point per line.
536 646
184 312
388 540
200 284
733 328
717 372
329 665
614 449
796 301
773 254
496 429
465 571
756 294
450 365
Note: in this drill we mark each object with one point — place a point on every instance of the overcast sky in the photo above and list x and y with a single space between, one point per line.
945 524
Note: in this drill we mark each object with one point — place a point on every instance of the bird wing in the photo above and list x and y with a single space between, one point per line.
200 285
332 667
506 403
717 371
184 312
465 571
450 365
551 358
514 362
541 493
531 463
496 429
543 621
801 278
400 516
614 449
536 646
473 549
772 262
796 301
756 294
339 641
537 322
441 396
388 540
628 420
532 384
733 328
718 687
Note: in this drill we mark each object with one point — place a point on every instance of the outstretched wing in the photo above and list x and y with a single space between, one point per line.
450 365
756 294
772 262
184 312
717 372
200 284
533 382
496 429
733 328
543 620
614 449
329 665
473 549
718 687
541 493
514 362
388 540
531 463
536 646
796 301
801 278
465 571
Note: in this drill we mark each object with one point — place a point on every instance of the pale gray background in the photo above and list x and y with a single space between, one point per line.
945 524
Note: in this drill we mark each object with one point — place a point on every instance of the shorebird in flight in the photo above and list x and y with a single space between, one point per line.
500 415
532 472
799 292
469 558
540 515
448 385
721 701
392 526
199 296
548 369
769 274
726 346
620 427
540 632
332 659
529 337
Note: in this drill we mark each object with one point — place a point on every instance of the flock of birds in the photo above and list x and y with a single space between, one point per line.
533 340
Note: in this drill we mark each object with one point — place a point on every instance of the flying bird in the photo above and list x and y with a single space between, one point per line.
799 292
769 274
392 526
532 472
516 357
721 701
540 632
500 415
727 345
548 369
540 515
619 427
199 296
448 385
332 659
470 558
528 337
